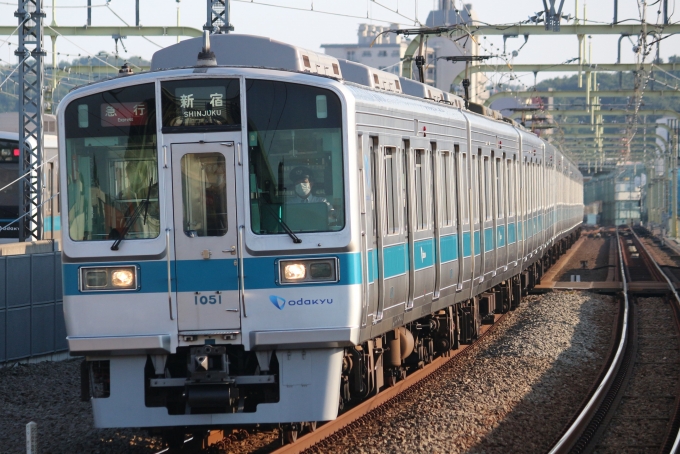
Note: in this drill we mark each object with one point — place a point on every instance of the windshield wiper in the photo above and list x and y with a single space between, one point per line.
287 229
133 217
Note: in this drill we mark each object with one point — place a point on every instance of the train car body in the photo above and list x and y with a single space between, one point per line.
9 187
266 241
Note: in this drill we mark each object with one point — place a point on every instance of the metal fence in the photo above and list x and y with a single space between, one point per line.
31 306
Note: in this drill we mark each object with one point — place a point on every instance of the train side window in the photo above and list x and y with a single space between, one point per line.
421 221
391 188
204 194
447 189
500 202
487 189
476 198
462 160
511 187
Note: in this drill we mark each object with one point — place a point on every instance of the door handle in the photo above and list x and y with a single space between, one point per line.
240 153
232 251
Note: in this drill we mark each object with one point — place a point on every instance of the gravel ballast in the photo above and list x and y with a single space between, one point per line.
515 394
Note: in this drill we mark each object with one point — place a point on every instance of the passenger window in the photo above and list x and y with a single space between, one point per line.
511 188
463 175
500 202
204 197
447 189
421 221
391 189
487 189
476 199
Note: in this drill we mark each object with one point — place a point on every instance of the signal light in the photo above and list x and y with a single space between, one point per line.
16 152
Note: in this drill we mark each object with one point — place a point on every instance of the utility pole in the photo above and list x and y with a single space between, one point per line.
49 92
31 74
218 17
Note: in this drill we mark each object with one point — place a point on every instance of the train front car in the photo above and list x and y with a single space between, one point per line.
210 265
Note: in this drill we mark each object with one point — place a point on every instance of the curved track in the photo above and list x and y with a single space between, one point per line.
590 427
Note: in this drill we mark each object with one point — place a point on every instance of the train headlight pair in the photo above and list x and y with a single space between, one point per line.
308 271
108 278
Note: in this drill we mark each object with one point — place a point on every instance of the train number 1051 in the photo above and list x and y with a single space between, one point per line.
212 299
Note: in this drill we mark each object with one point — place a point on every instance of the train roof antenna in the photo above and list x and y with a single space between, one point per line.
206 57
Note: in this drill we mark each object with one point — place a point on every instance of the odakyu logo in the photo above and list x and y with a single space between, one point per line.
280 302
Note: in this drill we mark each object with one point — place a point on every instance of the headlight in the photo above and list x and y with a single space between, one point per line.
294 271
308 271
107 278
122 278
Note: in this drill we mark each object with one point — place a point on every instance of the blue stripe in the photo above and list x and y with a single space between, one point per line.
395 260
205 275
48 223
488 240
520 230
423 253
467 252
478 243
372 266
449 248
500 236
511 233
153 277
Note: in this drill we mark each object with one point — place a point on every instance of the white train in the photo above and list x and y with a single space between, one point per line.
268 239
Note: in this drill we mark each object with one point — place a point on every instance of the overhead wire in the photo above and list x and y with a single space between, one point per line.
87 52
13 71
123 21
312 11
62 7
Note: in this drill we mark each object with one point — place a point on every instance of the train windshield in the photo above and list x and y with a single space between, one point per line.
295 150
112 165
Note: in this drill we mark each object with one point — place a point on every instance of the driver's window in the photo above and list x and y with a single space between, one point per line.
204 197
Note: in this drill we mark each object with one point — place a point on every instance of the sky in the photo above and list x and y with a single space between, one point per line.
305 23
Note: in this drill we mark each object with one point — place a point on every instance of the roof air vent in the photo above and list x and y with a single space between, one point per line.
206 57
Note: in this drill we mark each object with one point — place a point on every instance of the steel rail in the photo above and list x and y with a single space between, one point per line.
676 442
574 432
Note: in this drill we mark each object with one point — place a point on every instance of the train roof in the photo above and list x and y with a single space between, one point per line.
248 50
370 77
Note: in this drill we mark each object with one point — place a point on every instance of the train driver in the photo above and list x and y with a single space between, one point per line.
303 181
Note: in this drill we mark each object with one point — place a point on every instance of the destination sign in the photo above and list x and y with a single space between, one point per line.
124 114
201 103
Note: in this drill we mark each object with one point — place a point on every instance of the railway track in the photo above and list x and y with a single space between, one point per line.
635 407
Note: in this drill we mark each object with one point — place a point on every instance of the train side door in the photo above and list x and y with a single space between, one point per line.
464 201
487 207
420 190
204 197
369 216
477 211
